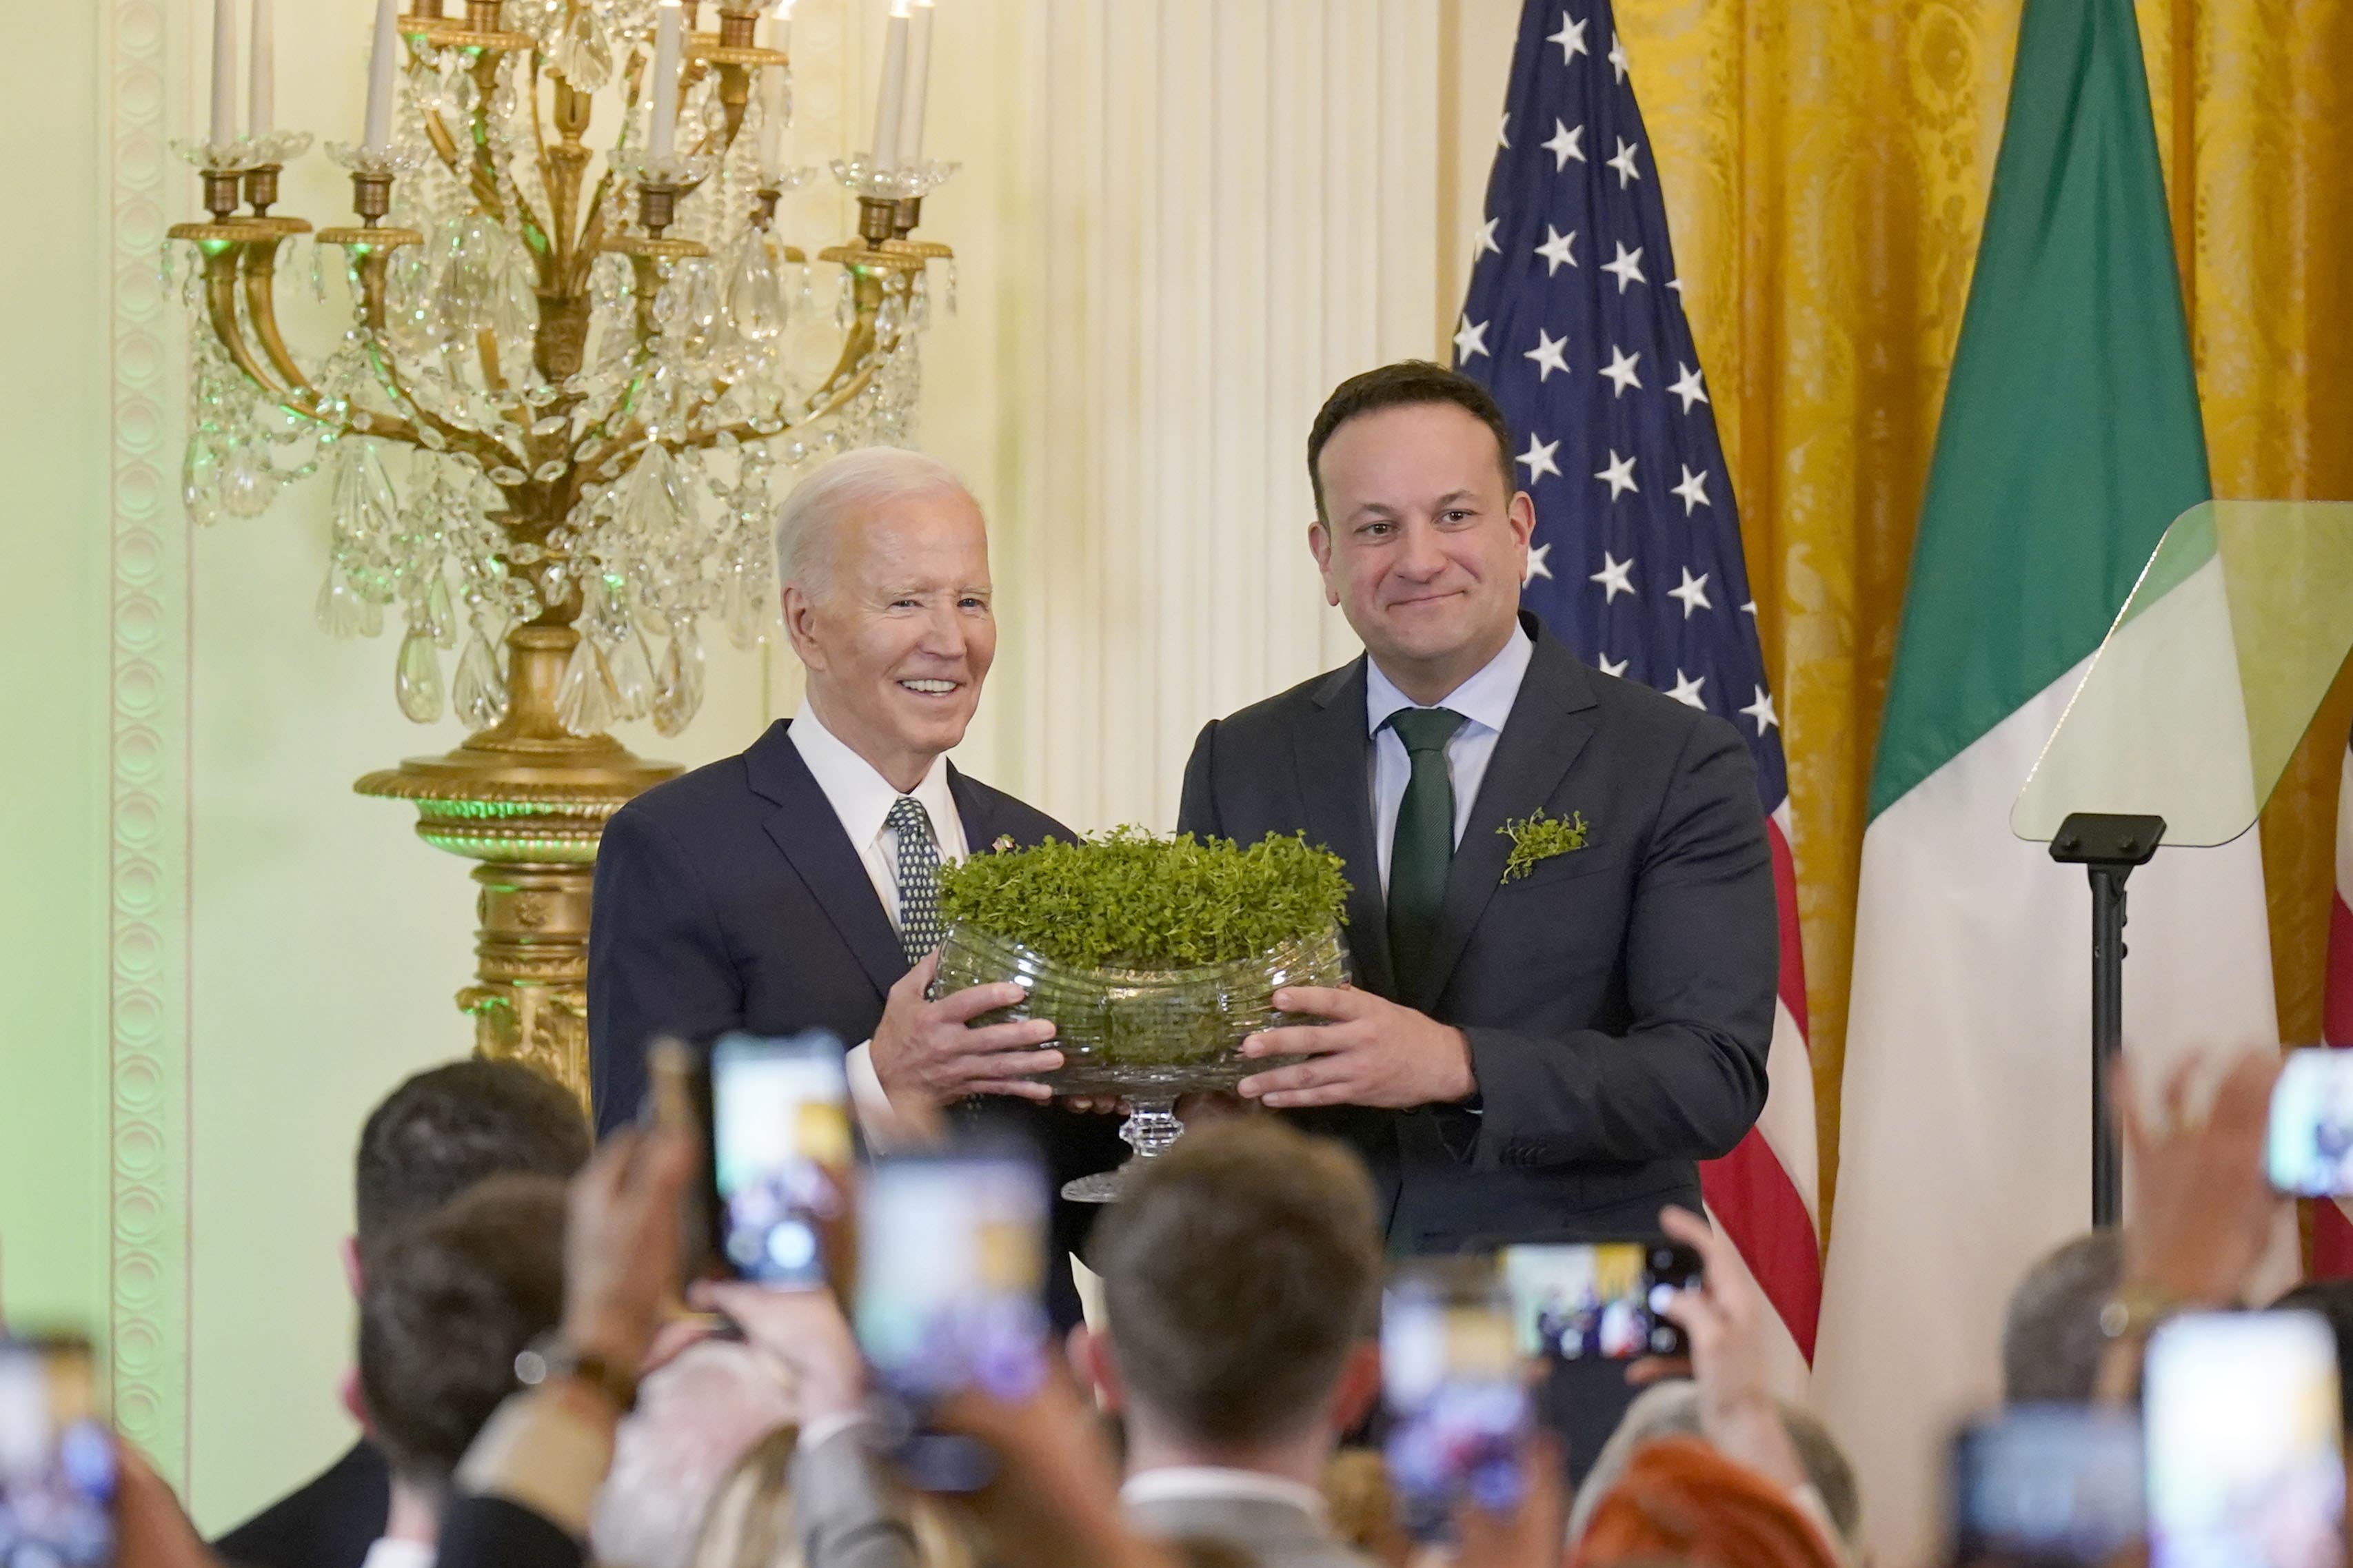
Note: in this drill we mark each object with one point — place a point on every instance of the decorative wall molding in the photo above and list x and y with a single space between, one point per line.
147 689
1221 211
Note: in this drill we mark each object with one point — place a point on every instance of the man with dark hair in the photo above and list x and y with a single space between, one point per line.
1562 910
450 1127
1241 1294
1406 384
451 1299
2051 1344
438 1133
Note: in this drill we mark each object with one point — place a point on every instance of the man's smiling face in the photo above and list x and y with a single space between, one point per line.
1423 540
902 636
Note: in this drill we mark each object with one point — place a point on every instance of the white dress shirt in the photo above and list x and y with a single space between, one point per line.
862 798
387 1553
1484 701
1193 1483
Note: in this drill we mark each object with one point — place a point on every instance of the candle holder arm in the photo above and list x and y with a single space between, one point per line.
259 268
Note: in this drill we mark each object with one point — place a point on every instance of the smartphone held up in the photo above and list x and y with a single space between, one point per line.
2308 1146
951 1296
2235 1459
1603 1301
57 1458
780 1158
1457 1391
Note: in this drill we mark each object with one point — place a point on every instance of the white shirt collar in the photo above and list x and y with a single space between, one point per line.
1195 1483
1485 699
387 1553
860 797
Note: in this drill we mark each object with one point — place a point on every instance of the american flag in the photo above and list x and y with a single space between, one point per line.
2332 1232
1575 321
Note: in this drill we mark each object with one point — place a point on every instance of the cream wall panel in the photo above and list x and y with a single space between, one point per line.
1229 207
55 695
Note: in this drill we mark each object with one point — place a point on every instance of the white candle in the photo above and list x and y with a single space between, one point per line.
889 101
382 65
783 42
919 78
224 74
261 115
667 16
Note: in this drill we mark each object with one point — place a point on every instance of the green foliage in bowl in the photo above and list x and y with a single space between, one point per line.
1128 899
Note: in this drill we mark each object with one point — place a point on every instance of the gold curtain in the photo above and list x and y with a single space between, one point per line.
1826 165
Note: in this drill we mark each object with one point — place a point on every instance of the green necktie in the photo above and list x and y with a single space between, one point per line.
1423 846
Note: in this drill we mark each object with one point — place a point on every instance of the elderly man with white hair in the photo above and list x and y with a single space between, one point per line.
794 886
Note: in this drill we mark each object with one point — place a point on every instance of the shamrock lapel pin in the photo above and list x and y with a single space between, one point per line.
1538 837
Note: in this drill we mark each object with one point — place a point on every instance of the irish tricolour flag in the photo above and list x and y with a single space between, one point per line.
2070 439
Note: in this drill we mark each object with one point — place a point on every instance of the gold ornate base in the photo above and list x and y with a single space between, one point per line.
530 801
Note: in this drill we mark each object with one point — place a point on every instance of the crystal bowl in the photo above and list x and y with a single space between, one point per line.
1143 1034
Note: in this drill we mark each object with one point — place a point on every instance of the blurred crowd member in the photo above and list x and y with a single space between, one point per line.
752 1523
2051 1338
1681 1500
1673 1410
438 1133
1739 1494
1242 1289
451 1299
699 1418
526 1487
847 1510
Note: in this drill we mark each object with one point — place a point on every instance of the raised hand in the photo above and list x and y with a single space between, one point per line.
623 1242
2201 1211
1728 1324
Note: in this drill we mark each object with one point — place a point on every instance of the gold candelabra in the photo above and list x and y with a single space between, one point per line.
591 401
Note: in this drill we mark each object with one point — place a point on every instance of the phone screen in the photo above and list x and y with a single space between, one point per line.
1598 1302
780 1156
56 1462
1456 1395
2309 1149
2048 1486
2245 1465
951 1273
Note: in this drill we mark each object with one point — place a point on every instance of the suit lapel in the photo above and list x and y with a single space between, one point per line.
1551 720
805 827
980 830
1332 752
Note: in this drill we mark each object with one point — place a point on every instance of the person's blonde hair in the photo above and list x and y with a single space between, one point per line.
751 1523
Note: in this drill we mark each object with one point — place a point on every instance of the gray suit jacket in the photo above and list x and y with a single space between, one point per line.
1618 1001
1272 1533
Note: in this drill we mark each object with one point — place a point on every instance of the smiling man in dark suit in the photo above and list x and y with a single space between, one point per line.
794 886
1539 1057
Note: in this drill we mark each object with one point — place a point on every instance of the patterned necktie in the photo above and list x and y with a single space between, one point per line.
1424 847
920 926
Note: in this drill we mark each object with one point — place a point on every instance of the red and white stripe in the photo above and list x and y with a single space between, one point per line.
2332 1232
1766 1193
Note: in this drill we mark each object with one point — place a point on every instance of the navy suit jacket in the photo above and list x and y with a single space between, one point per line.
730 898
1619 999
